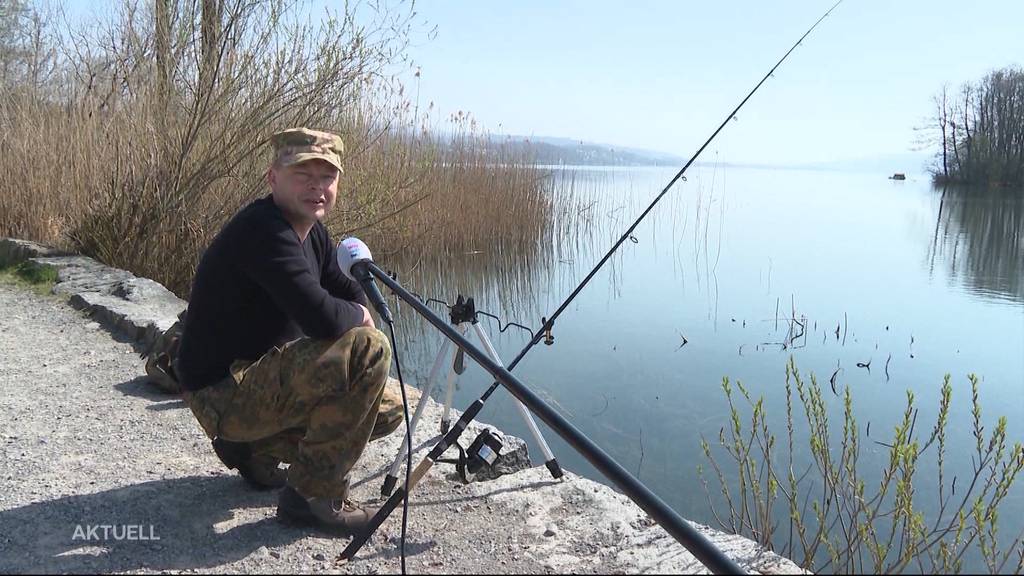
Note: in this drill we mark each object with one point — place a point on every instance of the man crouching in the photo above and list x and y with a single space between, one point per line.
280 359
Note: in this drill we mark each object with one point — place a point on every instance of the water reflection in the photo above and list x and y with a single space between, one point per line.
525 279
824 267
979 240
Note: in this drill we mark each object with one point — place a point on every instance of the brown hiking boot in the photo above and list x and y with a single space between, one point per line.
261 472
339 515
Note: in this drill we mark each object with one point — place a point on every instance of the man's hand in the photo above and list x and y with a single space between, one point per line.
367 319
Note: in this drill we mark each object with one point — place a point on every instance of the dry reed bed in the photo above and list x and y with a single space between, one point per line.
138 159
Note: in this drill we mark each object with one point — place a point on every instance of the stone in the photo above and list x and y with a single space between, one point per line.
136 308
14 251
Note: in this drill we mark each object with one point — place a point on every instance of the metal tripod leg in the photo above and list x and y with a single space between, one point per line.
549 459
392 478
446 422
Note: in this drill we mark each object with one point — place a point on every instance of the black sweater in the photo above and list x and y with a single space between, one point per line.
257 287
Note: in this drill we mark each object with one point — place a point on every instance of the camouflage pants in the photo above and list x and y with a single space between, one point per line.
312 403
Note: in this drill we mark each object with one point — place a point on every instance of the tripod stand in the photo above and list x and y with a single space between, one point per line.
463 317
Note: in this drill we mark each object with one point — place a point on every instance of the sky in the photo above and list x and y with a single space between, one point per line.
662 75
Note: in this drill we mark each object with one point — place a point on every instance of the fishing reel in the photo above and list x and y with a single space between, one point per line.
484 451
482 455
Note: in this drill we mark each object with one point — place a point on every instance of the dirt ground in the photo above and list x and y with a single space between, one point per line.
87 443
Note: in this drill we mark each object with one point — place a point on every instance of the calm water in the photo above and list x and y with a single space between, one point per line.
920 283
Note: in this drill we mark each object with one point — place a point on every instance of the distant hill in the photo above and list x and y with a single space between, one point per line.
565 151
548 150
916 163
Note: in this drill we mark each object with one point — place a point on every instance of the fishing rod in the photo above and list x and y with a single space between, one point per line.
705 551
548 323
699 545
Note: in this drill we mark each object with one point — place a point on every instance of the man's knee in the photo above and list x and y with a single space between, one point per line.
370 346
360 356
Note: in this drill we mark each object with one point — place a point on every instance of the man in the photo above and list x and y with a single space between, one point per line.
280 360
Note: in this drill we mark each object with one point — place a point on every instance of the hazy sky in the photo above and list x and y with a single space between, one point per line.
663 74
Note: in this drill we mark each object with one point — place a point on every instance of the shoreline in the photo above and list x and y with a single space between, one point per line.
80 456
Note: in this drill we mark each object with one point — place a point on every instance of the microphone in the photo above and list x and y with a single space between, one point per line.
354 258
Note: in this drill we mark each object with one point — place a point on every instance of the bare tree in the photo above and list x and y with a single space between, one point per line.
212 28
985 130
162 40
943 117
27 57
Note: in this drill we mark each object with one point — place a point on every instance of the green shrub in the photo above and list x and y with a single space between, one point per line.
840 519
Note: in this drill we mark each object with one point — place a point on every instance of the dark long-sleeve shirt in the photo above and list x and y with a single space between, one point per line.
257 287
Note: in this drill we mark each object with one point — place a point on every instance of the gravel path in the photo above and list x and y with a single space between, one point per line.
86 442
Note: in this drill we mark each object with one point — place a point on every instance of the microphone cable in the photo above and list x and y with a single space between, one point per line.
408 440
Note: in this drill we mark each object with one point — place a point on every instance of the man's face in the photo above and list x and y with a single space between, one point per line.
306 191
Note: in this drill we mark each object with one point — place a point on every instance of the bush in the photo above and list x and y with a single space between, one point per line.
849 527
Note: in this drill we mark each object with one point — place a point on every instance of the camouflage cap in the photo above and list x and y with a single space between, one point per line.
301 144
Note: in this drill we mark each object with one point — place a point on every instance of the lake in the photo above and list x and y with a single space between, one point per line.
894 284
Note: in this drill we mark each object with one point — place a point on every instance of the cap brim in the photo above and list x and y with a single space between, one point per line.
307 156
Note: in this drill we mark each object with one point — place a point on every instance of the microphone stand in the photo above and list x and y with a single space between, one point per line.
698 545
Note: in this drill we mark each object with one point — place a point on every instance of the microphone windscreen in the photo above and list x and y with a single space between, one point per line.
350 251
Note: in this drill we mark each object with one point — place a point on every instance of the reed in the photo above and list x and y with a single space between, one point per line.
137 146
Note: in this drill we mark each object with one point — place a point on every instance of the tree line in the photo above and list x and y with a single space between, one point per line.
981 131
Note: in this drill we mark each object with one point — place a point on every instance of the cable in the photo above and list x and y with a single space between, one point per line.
408 440
405 412
501 327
